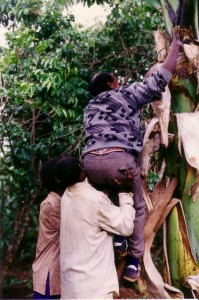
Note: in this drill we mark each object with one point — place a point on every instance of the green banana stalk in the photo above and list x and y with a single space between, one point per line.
182 224
180 257
191 209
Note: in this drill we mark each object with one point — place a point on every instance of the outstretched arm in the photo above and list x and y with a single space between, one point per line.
156 80
171 59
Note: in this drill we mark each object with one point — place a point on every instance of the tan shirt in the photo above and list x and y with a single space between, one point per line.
48 250
88 221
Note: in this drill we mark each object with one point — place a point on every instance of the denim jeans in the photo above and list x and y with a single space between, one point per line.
103 170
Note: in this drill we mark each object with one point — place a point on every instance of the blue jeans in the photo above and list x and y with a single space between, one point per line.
47 291
102 170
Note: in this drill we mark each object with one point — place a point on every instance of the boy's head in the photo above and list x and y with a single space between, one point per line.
102 82
59 173
68 170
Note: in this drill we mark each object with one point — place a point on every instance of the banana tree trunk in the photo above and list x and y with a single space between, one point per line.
182 160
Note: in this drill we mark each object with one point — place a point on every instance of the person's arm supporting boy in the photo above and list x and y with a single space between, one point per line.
114 219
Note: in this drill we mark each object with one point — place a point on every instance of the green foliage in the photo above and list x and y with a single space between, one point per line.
155 3
43 92
91 2
6 11
153 178
125 45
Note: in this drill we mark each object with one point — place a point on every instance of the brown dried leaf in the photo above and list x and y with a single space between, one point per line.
188 135
161 45
156 286
192 53
162 109
155 216
146 194
148 146
192 282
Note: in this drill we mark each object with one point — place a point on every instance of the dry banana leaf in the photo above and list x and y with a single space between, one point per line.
163 191
152 128
161 45
162 109
148 146
188 135
192 282
162 106
164 194
146 194
192 53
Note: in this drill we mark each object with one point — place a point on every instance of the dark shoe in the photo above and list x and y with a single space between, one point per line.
121 248
132 273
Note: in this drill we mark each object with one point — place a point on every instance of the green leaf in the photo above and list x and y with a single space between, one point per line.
155 3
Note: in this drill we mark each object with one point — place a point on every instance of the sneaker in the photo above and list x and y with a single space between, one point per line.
121 248
132 273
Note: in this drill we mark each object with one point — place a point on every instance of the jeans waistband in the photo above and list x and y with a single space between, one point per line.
106 151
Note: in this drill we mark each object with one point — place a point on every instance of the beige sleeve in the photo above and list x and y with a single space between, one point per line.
117 220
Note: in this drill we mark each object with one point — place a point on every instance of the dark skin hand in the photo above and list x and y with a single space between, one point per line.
125 185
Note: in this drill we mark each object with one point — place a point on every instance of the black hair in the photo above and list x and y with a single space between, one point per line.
47 174
59 173
67 170
99 83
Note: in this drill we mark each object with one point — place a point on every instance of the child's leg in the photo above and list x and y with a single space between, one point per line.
136 240
120 245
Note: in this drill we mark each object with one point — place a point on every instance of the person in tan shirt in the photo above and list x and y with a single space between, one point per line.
56 177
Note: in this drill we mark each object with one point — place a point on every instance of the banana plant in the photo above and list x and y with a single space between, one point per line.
182 160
